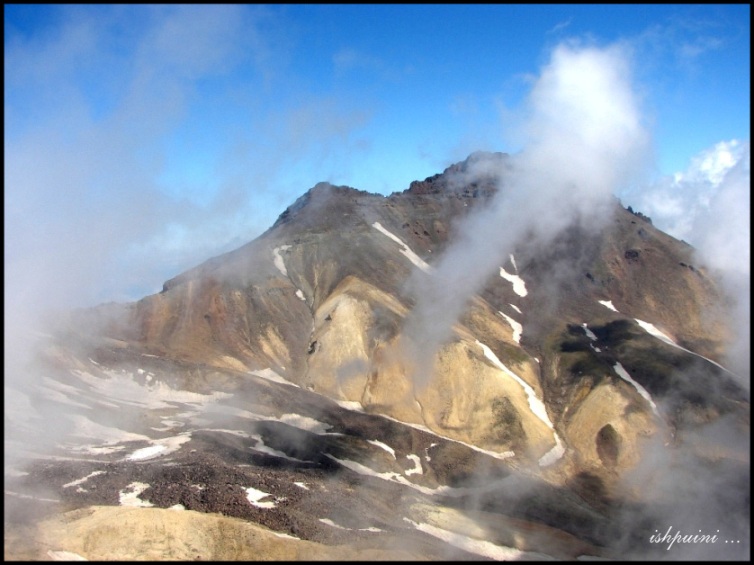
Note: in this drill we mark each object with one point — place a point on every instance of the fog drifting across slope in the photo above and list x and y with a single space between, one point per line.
584 140
709 206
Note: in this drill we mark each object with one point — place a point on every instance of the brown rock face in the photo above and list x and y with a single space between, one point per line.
322 297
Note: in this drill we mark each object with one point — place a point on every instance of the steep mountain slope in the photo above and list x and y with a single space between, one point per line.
292 360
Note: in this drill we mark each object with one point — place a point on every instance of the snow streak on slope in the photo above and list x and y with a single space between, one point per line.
271 375
622 373
590 334
65 556
330 523
394 477
495 454
477 546
652 330
381 445
160 447
261 447
84 479
519 286
518 329
535 404
413 257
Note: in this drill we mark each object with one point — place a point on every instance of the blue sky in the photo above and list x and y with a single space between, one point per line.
141 140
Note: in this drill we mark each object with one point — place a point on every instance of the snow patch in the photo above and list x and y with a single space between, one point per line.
262 448
608 304
301 485
518 329
255 496
386 447
129 496
80 481
400 479
146 453
169 425
516 308
413 257
652 330
65 556
554 454
476 546
622 373
300 294
519 286
495 454
353 405
271 375
329 522
305 423
589 333
417 470
160 447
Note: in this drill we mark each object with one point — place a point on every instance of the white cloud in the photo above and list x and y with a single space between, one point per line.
707 205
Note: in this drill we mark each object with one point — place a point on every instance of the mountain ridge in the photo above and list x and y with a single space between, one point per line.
570 365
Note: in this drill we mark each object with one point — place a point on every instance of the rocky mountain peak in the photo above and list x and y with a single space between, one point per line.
320 194
477 175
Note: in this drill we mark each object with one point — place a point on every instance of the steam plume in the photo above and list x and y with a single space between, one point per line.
583 140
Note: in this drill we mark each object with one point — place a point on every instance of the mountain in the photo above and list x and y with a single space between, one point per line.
300 398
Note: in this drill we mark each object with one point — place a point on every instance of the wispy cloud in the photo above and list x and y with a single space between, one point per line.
560 26
93 107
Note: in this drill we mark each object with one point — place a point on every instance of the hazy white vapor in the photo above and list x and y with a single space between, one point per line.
690 204
584 139
91 189
709 206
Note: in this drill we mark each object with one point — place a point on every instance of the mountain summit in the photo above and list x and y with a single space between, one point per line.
330 382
